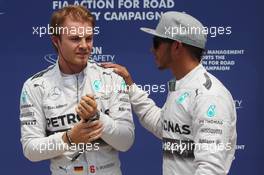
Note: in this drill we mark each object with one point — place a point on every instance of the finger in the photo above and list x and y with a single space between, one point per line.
90 131
82 120
117 70
91 139
109 65
90 96
96 133
90 101
87 107
83 111
78 111
94 125
120 70
90 126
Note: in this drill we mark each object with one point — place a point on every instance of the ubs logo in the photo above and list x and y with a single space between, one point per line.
55 93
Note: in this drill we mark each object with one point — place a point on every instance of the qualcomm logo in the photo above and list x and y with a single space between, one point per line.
51 58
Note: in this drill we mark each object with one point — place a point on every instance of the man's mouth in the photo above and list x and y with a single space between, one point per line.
82 54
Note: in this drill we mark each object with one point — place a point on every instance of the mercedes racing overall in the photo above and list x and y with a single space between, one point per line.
47 110
197 124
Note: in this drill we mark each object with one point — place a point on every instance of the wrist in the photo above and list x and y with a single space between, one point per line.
67 138
96 116
128 80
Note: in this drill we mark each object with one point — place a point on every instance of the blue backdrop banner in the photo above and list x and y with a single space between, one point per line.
233 54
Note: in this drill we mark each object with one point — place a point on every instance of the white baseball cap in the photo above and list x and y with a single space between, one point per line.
181 27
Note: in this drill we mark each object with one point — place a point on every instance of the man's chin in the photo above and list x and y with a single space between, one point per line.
81 62
160 67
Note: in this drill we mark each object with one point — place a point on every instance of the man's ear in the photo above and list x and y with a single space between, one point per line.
176 45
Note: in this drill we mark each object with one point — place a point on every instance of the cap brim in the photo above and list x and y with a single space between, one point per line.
151 31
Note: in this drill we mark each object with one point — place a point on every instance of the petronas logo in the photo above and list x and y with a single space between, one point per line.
211 112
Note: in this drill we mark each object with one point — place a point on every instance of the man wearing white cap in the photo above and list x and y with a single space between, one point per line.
198 121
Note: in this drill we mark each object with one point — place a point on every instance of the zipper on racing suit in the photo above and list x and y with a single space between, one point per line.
77 154
77 86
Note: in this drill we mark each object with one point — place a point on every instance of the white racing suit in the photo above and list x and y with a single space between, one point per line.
47 110
197 124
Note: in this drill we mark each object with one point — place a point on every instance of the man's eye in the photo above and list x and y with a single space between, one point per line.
89 39
75 39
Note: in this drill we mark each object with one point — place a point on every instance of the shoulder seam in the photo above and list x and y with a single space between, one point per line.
41 73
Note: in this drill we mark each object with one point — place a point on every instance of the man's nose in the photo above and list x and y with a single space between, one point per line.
83 44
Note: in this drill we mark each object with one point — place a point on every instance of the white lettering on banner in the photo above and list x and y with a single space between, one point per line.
96 15
238 104
99 4
220 60
102 58
58 4
226 52
128 4
116 5
158 4
90 4
97 50
99 56
124 16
